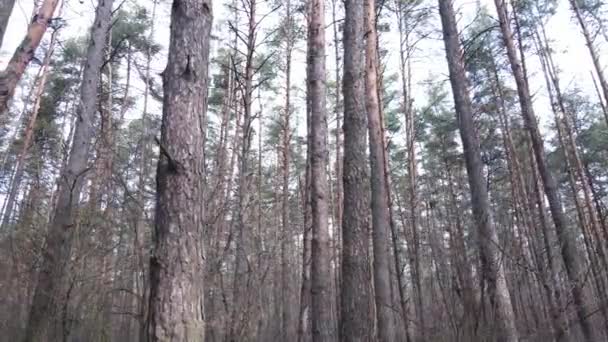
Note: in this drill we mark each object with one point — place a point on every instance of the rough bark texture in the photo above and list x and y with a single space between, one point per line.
565 234
25 53
56 254
176 267
6 8
355 311
504 319
321 276
380 205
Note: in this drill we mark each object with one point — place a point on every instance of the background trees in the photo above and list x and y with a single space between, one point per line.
317 177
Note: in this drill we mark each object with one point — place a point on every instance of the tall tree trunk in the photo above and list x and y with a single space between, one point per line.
240 311
15 69
493 272
285 237
379 203
565 234
355 311
102 168
339 192
412 168
321 276
58 242
176 267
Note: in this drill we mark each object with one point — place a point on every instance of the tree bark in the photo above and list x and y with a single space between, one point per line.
25 53
176 267
379 199
355 311
55 256
504 320
321 276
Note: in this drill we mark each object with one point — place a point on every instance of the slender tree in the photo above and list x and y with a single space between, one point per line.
322 316
493 267
565 234
379 203
56 254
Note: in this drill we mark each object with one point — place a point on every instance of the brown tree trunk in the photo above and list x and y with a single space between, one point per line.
304 318
55 256
356 320
379 203
176 267
338 192
323 329
25 53
564 233
494 274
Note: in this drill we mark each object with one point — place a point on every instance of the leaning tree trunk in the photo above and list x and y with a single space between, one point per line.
56 254
6 8
322 298
380 209
29 134
592 51
176 267
488 240
356 320
566 238
25 53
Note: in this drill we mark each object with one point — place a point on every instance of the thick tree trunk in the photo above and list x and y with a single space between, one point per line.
321 276
25 53
504 320
565 234
379 203
176 267
55 256
356 320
